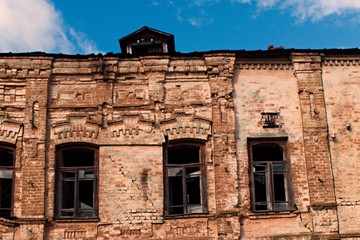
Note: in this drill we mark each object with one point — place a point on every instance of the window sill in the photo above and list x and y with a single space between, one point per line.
70 220
9 222
182 216
266 215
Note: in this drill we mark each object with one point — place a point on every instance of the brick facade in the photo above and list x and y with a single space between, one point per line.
130 108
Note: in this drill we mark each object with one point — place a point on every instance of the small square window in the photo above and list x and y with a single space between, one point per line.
76 182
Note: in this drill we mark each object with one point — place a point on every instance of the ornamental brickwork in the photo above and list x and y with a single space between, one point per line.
213 145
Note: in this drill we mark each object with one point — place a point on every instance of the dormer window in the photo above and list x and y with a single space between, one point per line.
147 41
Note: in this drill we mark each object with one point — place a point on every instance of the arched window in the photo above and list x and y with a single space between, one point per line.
270 188
76 169
185 179
7 159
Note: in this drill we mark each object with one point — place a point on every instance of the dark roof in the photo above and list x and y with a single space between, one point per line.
145 28
261 54
147 31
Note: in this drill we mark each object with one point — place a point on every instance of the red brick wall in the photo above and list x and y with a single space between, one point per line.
129 107
341 83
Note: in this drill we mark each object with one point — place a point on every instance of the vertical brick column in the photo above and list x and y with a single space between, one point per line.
307 67
220 73
33 157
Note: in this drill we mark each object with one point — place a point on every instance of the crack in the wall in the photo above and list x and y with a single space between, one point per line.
134 182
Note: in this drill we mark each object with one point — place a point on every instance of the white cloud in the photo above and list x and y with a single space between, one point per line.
82 42
198 12
194 13
154 3
35 25
178 14
267 3
317 10
309 9
199 3
200 21
240 1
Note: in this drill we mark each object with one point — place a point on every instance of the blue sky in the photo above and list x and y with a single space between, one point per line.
87 26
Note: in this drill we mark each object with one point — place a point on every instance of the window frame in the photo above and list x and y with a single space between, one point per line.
58 180
12 148
203 178
270 188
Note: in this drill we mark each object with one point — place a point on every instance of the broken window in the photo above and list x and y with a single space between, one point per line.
270 188
7 157
77 182
184 179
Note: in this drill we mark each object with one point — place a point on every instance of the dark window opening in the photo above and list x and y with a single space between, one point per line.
6 181
156 48
183 155
78 158
185 181
267 152
146 48
35 115
77 183
270 187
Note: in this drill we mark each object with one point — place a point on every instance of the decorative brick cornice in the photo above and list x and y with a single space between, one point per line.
341 62
264 66
9 130
130 125
186 126
78 128
349 203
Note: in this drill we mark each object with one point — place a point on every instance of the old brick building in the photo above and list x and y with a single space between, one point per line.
155 144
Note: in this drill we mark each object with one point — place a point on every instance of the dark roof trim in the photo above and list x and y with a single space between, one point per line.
146 28
238 53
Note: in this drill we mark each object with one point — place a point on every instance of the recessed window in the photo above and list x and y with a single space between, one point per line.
185 189
7 158
77 182
145 48
270 187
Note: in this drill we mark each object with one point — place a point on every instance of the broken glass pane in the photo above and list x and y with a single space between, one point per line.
195 208
5 196
259 168
88 174
86 213
193 185
260 187
176 194
175 171
8 174
66 213
279 188
278 167
86 194
67 197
